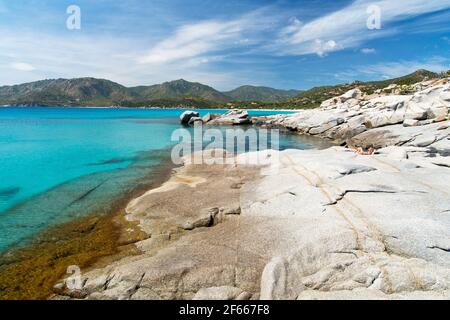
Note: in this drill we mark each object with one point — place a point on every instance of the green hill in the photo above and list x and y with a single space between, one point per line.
100 92
312 98
182 93
263 94
179 89
315 96
65 91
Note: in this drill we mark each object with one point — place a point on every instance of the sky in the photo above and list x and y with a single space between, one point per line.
284 44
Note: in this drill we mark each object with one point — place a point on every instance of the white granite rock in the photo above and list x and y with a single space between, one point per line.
232 117
313 224
344 117
219 293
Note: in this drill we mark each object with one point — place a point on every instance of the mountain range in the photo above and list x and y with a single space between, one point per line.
179 93
101 92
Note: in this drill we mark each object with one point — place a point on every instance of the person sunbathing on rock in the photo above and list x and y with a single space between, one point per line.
365 152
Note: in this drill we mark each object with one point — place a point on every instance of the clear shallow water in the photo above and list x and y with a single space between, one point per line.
57 164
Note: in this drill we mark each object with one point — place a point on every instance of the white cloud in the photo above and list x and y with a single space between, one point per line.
191 41
68 56
209 38
193 50
294 25
392 69
348 26
322 47
206 37
75 56
404 67
368 50
22 66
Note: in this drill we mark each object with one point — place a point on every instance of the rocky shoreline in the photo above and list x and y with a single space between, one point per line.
367 220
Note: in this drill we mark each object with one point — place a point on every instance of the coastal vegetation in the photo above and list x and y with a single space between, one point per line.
252 93
312 98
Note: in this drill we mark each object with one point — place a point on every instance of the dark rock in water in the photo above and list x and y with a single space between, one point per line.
9 192
192 120
187 115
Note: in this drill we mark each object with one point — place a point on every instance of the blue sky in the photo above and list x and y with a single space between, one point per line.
282 44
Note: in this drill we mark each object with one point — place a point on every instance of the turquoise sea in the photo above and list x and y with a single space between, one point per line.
57 164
